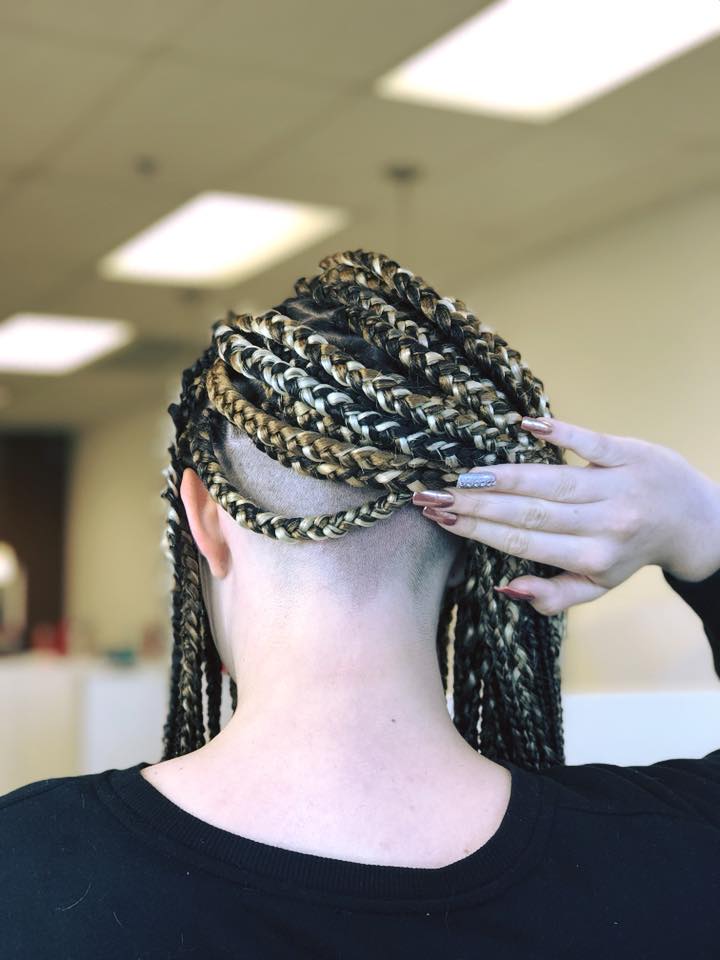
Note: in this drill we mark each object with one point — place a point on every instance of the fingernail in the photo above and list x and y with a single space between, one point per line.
442 516
540 425
433 498
473 480
515 594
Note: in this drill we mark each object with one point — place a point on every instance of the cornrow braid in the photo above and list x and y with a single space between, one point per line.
450 396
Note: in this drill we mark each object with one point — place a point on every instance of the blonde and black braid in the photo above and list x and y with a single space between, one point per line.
450 396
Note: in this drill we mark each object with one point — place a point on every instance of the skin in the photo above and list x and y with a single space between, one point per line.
634 503
342 744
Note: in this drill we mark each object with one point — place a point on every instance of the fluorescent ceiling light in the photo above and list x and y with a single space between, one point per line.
537 60
46 343
217 239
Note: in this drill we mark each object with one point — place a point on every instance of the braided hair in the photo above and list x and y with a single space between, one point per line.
449 396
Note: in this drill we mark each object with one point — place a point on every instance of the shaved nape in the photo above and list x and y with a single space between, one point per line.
406 550
370 382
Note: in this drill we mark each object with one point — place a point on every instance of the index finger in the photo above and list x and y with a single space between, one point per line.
563 482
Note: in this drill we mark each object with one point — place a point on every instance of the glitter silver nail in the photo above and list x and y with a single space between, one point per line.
475 480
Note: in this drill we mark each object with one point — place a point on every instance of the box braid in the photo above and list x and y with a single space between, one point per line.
450 397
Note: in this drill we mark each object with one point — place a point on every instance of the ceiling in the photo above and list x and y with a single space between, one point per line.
114 114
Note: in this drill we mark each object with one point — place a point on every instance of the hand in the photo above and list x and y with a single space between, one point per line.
634 503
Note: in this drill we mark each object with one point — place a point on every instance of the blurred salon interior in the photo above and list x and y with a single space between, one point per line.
164 161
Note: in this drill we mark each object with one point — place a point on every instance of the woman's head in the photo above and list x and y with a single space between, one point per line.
312 425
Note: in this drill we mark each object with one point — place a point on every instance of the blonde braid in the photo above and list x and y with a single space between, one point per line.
451 398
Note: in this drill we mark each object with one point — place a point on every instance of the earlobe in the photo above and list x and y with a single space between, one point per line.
202 514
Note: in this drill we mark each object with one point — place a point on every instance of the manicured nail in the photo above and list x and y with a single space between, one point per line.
539 425
442 516
472 480
433 498
515 594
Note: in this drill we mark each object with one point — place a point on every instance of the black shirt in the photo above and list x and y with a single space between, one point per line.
590 861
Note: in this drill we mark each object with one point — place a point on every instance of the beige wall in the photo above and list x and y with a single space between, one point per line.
622 329
118 579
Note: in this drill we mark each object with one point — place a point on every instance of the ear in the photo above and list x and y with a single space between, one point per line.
202 514
457 570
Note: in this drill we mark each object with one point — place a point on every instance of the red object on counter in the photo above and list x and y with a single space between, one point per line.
50 636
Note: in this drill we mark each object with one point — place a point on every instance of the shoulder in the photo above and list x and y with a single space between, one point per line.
56 814
37 807
678 787
28 801
59 867
46 828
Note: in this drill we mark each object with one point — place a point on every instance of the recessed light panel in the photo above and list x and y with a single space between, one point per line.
218 239
538 59
51 344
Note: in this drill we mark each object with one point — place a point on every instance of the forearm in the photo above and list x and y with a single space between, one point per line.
693 570
703 596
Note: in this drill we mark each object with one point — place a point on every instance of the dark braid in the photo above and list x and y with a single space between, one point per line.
450 396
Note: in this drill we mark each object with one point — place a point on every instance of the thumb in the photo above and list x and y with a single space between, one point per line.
554 594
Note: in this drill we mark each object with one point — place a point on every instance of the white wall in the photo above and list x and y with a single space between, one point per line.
622 329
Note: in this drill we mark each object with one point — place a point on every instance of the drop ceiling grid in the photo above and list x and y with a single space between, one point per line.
263 97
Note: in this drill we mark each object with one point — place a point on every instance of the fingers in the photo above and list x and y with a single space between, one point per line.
575 553
575 537
602 449
556 514
555 594
548 481
578 554
564 482
530 513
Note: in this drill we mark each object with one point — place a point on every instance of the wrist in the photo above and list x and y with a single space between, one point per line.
695 554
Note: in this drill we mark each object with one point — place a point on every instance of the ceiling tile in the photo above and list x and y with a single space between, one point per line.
69 220
194 123
111 123
345 42
132 24
46 91
346 159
